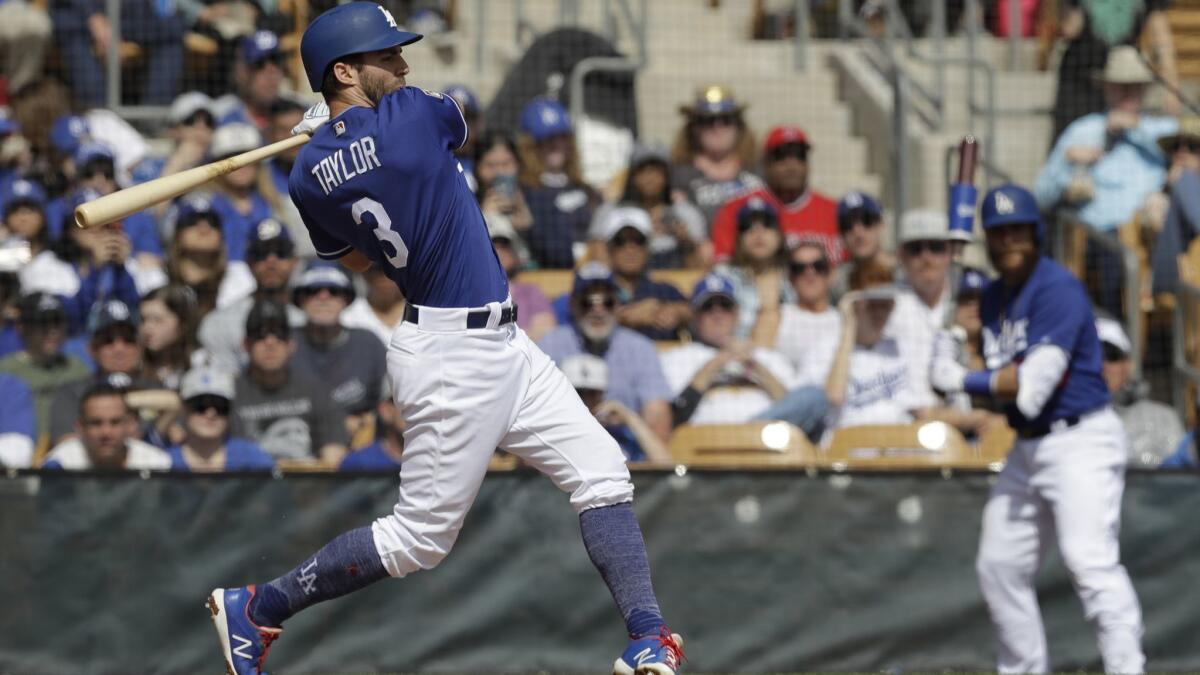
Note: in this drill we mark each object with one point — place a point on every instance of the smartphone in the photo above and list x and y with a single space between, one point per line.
506 185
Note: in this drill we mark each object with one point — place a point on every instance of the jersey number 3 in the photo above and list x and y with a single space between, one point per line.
383 229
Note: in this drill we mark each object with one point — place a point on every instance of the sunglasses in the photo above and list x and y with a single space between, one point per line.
281 331
819 266
199 117
104 169
849 224
608 302
622 240
728 119
1113 354
1189 146
201 257
719 302
748 223
108 336
205 402
261 251
46 321
969 296
314 291
915 248
786 151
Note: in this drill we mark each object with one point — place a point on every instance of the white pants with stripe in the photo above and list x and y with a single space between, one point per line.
464 393
1064 487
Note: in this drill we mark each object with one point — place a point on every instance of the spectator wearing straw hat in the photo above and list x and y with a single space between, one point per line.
714 153
1182 219
1105 164
803 212
1154 429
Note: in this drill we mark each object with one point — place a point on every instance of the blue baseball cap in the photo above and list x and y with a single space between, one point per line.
89 152
858 202
262 45
591 274
67 133
323 275
22 192
269 237
712 285
543 118
465 97
757 209
110 313
972 281
1009 204
7 124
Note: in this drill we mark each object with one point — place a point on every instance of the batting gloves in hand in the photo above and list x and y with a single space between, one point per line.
946 372
314 117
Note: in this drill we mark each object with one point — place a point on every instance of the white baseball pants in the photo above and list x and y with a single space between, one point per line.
464 393
1065 486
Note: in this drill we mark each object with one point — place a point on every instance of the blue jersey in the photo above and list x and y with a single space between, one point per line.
1052 308
237 226
240 455
385 181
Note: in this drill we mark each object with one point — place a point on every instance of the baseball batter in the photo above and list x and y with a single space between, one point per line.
1064 478
379 185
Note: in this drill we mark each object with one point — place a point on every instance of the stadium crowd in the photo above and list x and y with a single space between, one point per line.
710 283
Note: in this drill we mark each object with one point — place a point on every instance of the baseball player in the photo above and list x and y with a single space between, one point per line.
1064 478
379 185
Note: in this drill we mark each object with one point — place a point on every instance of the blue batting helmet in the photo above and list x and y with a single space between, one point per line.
1011 204
352 28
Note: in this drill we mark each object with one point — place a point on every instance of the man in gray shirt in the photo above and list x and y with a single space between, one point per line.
271 254
350 362
280 405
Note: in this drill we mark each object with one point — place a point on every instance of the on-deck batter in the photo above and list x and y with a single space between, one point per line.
379 184
1064 478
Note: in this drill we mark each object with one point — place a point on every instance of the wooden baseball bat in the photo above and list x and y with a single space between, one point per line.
124 203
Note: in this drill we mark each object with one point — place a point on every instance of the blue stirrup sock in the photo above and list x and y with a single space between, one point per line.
615 545
344 565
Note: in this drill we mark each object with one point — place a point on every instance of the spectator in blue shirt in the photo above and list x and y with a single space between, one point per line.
16 423
237 198
635 376
1185 456
656 310
589 375
207 396
559 200
1182 220
383 454
10 290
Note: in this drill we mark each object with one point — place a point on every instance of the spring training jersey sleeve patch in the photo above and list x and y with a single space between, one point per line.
384 181
1052 308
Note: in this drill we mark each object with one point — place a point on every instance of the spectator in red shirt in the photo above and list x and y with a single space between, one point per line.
803 212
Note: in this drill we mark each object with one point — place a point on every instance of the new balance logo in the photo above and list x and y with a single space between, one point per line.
643 656
242 651
308 581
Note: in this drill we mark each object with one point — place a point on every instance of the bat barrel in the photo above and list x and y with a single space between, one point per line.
124 203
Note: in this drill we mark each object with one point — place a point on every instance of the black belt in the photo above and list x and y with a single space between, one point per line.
476 318
1061 424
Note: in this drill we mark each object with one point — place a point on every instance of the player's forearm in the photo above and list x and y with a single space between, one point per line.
652 445
766 326
839 372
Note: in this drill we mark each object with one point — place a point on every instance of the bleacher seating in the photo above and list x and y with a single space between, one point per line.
758 444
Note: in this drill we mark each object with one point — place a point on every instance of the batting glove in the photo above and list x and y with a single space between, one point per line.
314 117
946 372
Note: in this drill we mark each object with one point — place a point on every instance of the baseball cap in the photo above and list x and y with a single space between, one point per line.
713 99
206 381
190 210
232 139
972 281
267 317
586 371
924 225
757 209
465 98
22 192
187 104
785 135
1009 205
262 45
591 274
8 125
543 118
41 308
322 275
645 153
108 313
500 227
623 217
858 203
67 133
712 285
1111 333
89 152
267 237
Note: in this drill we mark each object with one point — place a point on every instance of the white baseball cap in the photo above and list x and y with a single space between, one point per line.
927 225
1111 332
233 139
585 371
205 380
623 217
187 104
